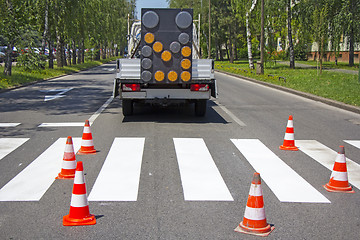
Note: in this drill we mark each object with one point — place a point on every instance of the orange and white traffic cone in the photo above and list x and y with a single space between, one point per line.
289 139
87 144
79 207
254 221
69 161
339 177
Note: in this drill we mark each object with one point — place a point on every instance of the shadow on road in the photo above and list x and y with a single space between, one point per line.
184 113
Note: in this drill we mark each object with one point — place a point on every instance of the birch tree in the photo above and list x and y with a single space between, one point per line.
248 34
291 45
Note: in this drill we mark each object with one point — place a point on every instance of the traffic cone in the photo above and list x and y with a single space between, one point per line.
254 221
339 177
289 139
79 207
69 161
87 144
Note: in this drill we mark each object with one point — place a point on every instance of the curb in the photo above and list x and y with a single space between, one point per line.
299 93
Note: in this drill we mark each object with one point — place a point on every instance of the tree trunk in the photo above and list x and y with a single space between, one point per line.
234 43
103 53
51 55
351 49
97 52
69 54
220 52
227 51
64 55
231 51
291 45
249 45
217 49
82 51
73 52
8 60
79 54
59 52
235 51
262 39
248 35
321 55
46 27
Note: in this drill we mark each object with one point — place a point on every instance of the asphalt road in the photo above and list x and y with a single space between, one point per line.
184 160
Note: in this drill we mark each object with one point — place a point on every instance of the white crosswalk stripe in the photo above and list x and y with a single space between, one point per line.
9 124
287 185
326 157
62 124
7 145
120 175
355 143
32 183
200 178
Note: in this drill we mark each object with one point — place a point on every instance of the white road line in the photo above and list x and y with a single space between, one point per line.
326 157
9 124
32 183
79 124
102 108
200 178
231 115
58 95
64 124
286 184
355 143
7 145
120 175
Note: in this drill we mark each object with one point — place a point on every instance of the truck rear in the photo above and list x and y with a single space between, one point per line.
163 65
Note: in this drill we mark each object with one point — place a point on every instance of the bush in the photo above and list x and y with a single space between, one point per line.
300 53
243 52
31 60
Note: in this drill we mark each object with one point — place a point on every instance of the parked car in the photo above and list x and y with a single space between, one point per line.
2 53
14 52
2 57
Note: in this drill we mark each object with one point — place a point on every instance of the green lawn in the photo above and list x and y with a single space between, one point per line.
20 77
337 86
340 65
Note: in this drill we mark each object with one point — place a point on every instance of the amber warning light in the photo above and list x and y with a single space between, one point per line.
166 45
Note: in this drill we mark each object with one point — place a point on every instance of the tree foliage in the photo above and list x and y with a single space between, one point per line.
100 27
319 21
69 26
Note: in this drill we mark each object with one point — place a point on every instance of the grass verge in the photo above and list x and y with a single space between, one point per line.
341 87
329 65
20 77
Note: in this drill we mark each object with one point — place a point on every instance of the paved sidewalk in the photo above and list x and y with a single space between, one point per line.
301 65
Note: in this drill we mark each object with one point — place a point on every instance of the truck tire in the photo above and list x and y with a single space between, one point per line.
200 107
127 107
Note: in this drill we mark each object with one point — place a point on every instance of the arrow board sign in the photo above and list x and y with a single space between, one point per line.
59 93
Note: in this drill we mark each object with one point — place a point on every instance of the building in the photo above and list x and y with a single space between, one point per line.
343 55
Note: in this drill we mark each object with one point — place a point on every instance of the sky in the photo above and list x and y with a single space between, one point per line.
149 4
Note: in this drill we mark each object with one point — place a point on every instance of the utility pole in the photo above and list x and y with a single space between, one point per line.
209 50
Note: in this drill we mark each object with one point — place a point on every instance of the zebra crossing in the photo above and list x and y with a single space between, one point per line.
201 180
288 186
120 175
7 145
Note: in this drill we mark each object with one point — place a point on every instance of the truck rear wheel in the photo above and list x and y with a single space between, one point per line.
127 107
200 107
